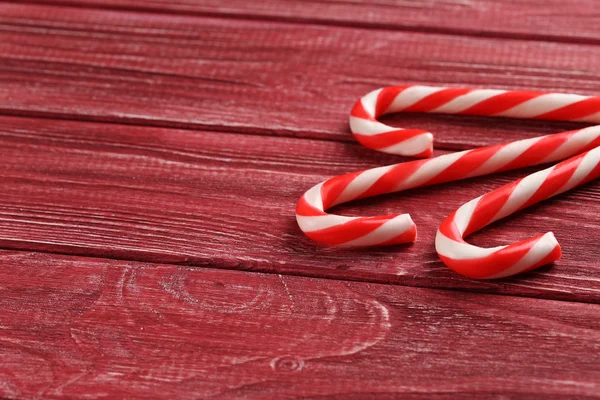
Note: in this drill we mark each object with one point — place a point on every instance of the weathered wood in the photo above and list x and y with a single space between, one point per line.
80 327
203 198
83 327
251 76
554 20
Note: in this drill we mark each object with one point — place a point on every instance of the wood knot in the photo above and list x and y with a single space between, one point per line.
287 364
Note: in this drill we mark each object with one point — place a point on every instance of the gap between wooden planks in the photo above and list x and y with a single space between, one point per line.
95 326
208 198
551 20
268 78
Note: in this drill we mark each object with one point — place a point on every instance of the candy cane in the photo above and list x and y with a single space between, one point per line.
490 102
502 261
394 229
382 230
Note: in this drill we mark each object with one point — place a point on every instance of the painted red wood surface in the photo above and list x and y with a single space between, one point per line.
553 20
260 77
133 330
227 200
173 140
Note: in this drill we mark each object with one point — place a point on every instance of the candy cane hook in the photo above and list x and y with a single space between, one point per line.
502 261
489 102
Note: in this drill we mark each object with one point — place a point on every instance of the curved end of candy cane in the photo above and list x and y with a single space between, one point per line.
503 261
344 231
378 136
498 262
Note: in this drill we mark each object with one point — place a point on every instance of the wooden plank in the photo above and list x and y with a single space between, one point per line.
251 76
97 328
554 20
202 198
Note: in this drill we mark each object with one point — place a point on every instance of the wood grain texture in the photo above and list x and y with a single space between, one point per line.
208 198
237 116
252 76
553 20
93 328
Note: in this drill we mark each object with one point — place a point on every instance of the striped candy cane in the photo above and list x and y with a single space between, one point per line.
490 102
383 230
394 229
502 261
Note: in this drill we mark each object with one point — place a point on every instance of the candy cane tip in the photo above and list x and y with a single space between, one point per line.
411 233
396 229
548 241
420 146
428 152
545 251
406 231
553 248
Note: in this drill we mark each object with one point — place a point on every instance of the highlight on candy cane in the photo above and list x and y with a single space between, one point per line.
339 230
503 261
486 102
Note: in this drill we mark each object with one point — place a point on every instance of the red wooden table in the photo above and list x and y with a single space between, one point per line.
151 155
